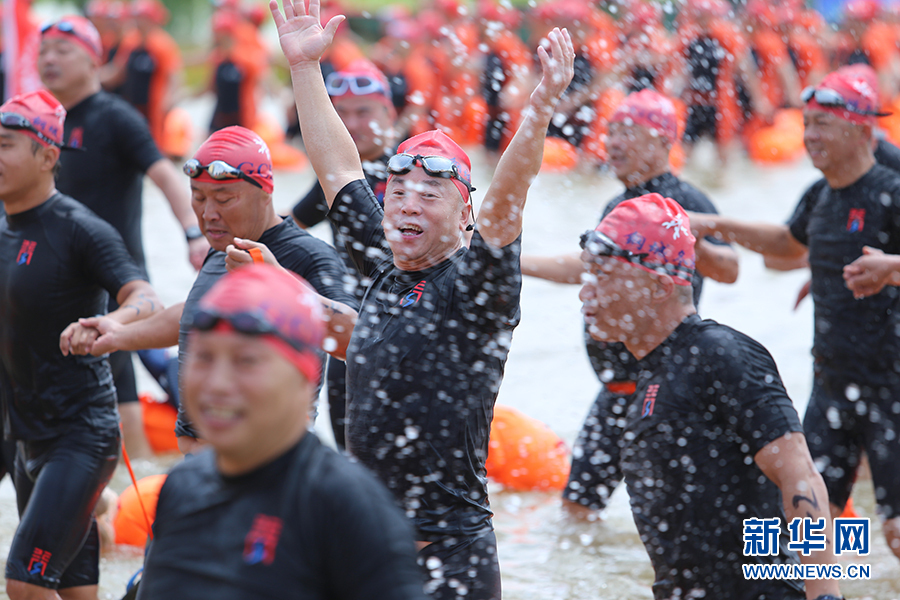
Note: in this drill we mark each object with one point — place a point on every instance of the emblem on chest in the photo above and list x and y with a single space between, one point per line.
414 296
856 220
649 400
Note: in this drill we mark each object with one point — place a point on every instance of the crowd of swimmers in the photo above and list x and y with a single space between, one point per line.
412 345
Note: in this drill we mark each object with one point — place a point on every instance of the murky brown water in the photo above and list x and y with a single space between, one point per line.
544 556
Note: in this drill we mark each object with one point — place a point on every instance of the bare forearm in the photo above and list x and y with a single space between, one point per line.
328 143
140 302
716 262
500 217
764 238
341 320
157 331
559 269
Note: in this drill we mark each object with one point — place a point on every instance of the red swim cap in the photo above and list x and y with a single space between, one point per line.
44 112
438 143
284 301
649 109
862 10
76 29
857 85
240 148
657 227
153 10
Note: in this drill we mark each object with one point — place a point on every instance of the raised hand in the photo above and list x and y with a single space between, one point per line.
558 68
302 37
246 252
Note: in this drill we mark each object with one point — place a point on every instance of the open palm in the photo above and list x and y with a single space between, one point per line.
302 37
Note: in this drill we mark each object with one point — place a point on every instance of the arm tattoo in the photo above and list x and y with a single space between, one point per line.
814 502
141 301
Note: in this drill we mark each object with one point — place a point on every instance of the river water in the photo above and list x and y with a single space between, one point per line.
543 555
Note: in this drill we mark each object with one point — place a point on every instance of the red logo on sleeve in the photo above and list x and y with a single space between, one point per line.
260 543
38 562
649 400
857 220
26 252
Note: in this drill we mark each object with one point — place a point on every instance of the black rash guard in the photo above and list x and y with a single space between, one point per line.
708 400
295 250
57 263
108 176
854 338
309 525
424 367
612 361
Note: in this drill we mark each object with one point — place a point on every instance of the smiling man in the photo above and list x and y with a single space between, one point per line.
711 438
269 512
426 358
853 406
231 187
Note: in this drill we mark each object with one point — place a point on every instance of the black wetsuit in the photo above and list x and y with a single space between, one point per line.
595 457
58 262
227 112
423 370
856 343
709 399
108 178
297 251
704 55
312 210
574 127
309 525
138 79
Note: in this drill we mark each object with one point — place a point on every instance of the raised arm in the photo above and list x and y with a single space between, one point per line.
500 217
328 143
786 461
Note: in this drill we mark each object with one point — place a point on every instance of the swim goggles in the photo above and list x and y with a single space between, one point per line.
600 245
338 84
248 323
436 166
832 99
218 170
69 28
12 120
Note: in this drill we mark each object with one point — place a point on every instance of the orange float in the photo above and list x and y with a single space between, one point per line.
524 454
780 142
159 424
178 133
130 524
284 156
559 156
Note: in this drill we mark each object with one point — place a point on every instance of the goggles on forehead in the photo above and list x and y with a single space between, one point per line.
832 99
248 323
359 85
600 245
12 120
436 166
66 27
218 170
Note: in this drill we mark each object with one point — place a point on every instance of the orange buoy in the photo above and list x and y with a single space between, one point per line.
559 156
159 424
780 142
130 524
524 454
284 156
178 133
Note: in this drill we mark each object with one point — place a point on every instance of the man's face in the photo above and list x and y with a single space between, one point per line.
615 295
830 140
20 166
64 65
635 151
227 210
246 399
369 122
424 218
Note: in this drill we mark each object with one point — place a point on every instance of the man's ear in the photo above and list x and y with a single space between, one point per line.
664 288
49 157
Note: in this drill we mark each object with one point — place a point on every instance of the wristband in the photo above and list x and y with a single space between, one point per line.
829 597
257 256
193 233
